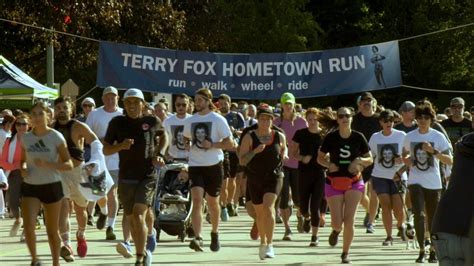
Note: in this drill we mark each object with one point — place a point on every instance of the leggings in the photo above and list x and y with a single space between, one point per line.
424 202
312 198
14 192
290 181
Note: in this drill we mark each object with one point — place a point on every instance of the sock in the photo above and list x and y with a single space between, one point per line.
104 210
80 233
65 238
111 222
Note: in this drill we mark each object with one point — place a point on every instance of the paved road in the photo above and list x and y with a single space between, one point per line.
237 248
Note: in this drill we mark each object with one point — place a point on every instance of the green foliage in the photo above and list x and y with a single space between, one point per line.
442 61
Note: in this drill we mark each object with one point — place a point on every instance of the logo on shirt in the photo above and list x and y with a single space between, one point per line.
145 126
201 131
38 147
386 154
178 137
421 159
344 154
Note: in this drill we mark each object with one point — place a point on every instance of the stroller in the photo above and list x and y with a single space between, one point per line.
172 204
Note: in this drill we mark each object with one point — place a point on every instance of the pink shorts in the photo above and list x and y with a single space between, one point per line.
330 191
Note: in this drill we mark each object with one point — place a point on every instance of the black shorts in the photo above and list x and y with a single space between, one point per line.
208 177
131 192
47 193
367 173
258 186
387 186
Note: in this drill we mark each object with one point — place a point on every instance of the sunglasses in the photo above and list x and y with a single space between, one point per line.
457 106
341 116
425 117
180 105
88 105
21 123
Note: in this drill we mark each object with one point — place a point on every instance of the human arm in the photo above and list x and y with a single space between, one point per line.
443 156
284 147
325 161
359 163
246 153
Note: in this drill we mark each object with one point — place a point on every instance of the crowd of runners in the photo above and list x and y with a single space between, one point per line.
276 161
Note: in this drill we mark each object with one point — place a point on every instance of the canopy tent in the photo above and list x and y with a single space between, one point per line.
18 89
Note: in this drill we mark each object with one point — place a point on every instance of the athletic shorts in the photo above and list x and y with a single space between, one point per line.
114 174
131 192
257 187
208 177
47 193
329 191
386 186
71 181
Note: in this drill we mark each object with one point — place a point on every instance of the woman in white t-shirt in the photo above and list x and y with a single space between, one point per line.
424 149
386 147
43 155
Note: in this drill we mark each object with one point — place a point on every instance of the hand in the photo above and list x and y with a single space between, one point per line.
427 147
355 167
41 163
168 158
206 144
259 148
332 168
396 177
158 161
126 144
306 159
187 145
398 160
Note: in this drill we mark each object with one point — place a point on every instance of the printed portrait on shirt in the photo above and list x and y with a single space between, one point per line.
421 159
201 131
178 137
386 154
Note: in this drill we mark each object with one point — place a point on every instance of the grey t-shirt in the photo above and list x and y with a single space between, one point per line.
45 148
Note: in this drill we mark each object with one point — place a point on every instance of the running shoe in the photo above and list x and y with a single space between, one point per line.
421 258
230 210
196 244
38 224
208 217
299 227
333 237
433 258
90 220
287 235
81 246
307 225
15 227
125 249
242 201
262 251
224 214
109 234
370 229
254 231
151 241
269 251
35 263
366 220
66 253
345 258
147 259
388 241
22 237
215 244
314 241
100 224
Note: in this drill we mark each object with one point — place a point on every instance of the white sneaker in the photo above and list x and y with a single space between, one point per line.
262 251
125 249
269 252
22 237
14 229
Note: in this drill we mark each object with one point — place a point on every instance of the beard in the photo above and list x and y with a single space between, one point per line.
62 117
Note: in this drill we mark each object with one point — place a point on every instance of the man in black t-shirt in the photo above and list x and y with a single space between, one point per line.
366 121
133 137
407 111
457 126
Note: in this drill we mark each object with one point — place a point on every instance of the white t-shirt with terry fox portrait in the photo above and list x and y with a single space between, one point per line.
212 127
385 149
425 168
174 126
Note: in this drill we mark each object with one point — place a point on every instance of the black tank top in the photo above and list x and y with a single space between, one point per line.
75 152
267 162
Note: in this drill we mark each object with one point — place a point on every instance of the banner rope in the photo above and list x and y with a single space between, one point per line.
97 40
434 90
85 94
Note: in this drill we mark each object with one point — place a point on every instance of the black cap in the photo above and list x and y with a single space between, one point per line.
264 108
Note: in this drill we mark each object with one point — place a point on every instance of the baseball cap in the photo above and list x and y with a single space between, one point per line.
457 101
88 100
386 114
364 95
264 108
406 106
287 97
134 93
110 89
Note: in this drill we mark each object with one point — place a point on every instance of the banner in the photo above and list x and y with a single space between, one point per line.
251 76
